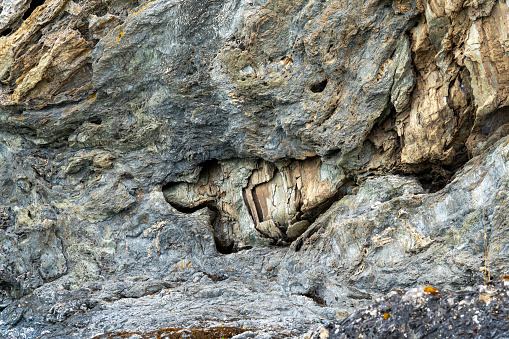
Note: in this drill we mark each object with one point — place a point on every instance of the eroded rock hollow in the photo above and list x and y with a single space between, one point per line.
248 168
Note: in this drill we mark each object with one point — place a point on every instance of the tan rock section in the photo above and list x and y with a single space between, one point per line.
461 58
100 26
257 199
45 67
286 193
487 59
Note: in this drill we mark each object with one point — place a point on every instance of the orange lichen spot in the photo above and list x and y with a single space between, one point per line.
505 277
189 264
20 118
140 10
386 315
91 96
120 35
429 289
144 220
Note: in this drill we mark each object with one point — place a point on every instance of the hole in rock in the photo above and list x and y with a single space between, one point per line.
315 296
278 201
96 121
6 32
432 177
209 169
33 5
319 87
216 277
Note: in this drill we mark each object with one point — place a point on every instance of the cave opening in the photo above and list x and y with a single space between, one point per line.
96 121
209 168
222 246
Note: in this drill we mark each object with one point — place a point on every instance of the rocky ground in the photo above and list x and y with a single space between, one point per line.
429 313
259 168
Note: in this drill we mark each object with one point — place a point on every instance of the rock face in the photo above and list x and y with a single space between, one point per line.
180 166
425 312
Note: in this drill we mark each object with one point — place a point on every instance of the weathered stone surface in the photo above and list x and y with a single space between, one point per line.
390 235
261 164
254 200
296 230
425 311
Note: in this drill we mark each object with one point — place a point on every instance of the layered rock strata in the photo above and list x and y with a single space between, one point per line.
264 165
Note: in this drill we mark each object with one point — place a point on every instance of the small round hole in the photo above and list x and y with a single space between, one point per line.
319 87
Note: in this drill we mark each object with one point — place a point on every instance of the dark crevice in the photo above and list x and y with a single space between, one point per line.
319 87
315 296
224 249
188 210
347 188
320 209
208 167
495 120
432 177
6 32
96 121
216 277
252 213
258 207
256 199
221 246
33 5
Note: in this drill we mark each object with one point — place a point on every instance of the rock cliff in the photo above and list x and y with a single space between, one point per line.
249 168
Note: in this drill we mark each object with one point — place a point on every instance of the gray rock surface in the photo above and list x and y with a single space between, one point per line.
427 312
245 167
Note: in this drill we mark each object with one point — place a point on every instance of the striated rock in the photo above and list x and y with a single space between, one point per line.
259 165
255 199
390 235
